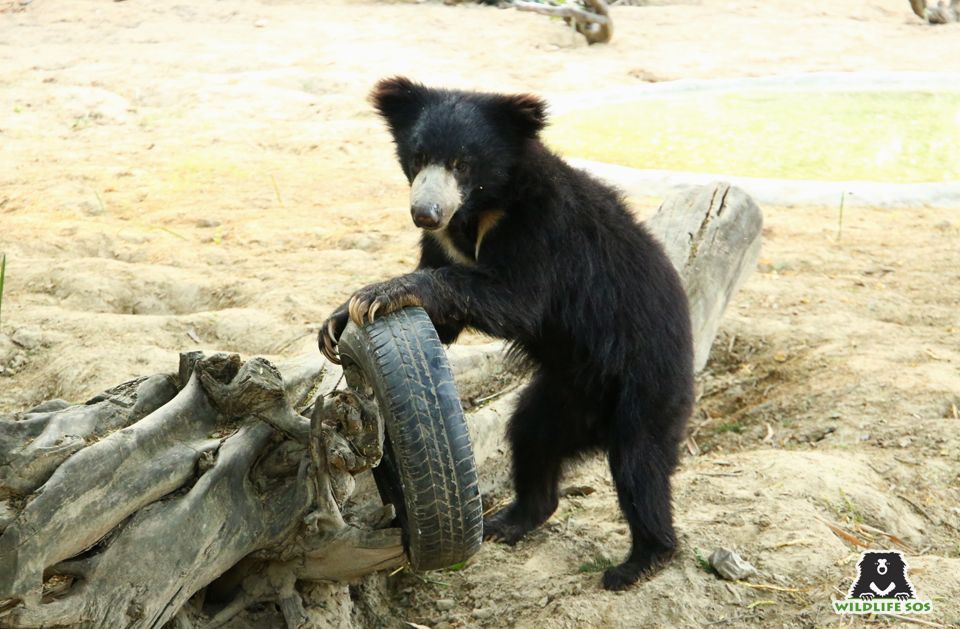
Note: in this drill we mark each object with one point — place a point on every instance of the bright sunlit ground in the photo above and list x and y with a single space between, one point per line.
902 137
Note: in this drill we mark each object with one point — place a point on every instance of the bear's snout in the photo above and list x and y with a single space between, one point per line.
434 197
426 216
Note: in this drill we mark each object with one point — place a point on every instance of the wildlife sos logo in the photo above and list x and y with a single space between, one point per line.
882 587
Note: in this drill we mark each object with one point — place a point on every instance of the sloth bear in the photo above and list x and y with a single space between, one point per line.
521 246
882 574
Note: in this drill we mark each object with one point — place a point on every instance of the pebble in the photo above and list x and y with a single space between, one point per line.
91 209
445 604
482 613
26 338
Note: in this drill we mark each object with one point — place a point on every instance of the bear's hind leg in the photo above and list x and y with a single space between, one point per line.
641 466
546 428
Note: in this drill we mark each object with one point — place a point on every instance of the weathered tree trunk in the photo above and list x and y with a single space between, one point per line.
225 484
712 235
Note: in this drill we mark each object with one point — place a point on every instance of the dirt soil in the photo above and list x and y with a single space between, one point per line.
209 174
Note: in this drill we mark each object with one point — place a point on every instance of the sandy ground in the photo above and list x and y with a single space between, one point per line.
175 175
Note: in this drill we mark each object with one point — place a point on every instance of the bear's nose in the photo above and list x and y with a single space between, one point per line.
426 216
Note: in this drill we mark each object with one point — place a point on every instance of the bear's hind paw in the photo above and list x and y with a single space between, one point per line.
501 527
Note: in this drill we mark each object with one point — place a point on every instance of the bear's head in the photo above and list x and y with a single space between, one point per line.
457 149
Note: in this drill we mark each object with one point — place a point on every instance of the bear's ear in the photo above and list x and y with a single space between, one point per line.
526 113
400 101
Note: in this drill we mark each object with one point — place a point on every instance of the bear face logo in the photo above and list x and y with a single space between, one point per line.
882 574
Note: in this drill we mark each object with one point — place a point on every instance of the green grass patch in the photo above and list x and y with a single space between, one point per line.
597 564
736 427
703 562
848 509
901 137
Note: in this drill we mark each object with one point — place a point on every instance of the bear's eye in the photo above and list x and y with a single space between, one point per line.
458 166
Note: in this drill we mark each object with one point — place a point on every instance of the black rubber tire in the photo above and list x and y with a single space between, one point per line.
427 471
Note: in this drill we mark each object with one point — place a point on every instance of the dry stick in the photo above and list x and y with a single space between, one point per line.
794 542
276 190
584 20
724 621
839 532
565 11
773 588
916 621
893 538
499 393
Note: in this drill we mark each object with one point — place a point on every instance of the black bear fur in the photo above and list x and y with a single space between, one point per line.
549 258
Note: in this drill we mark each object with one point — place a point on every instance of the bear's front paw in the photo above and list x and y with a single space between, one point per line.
381 298
330 333
902 596
867 596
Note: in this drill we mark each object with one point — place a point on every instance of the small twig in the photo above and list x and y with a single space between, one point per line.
276 190
499 393
172 233
724 621
495 506
844 535
768 438
893 538
794 542
919 509
773 588
916 621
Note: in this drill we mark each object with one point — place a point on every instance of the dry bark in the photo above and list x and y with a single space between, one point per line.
185 498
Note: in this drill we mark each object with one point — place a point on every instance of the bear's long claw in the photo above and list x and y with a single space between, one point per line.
357 308
331 329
